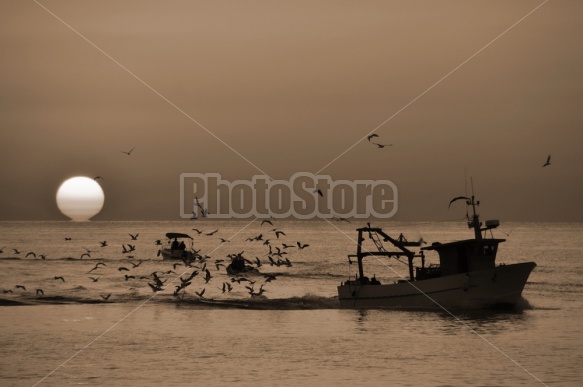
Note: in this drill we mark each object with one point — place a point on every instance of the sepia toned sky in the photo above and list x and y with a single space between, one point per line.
291 86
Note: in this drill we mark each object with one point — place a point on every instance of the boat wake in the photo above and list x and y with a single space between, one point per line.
308 302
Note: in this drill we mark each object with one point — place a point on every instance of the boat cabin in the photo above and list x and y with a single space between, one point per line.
464 256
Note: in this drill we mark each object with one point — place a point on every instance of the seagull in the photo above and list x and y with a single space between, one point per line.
197 231
136 264
94 279
224 240
123 269
381 146
31 253
20 287
134 237
43 256
60 278
40 291
212 233
208 276
266 221
201 293
129 152
105 296
370 137
96 266
103 244
129 277
239 280
257 262
548 161
2 250
301 247
67 239
158 242
457 198
16 251
270 277
278 233
319 191
85 254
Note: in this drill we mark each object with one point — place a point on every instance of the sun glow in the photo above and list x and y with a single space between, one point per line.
80 198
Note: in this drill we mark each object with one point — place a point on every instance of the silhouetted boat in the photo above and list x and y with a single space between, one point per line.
466 276
185 253
238 266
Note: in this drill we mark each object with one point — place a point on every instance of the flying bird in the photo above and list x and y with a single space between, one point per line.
123 269
31 253
278 233
94 279
136 264
128 152
548 161
85 254
266 221
212 233
301 247
381 146
134 237
105 296
20 287
59 278
456 199
103 244
39 292
370 137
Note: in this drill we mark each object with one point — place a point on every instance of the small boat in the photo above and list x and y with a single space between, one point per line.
466 277
176 250
238 266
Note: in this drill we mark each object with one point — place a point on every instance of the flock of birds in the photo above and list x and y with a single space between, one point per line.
181 274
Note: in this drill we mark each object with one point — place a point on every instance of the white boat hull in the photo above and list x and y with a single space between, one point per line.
499 286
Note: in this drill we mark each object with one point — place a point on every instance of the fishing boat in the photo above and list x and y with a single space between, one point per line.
178 250
238 266
466 277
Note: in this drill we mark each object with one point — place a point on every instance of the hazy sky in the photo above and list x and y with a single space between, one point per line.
290 86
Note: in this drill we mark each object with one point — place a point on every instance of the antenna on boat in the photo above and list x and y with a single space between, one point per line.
466 188
475 222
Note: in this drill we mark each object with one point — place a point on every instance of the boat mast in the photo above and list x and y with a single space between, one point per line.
475 222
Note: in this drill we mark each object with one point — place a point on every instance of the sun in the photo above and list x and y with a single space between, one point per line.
80 198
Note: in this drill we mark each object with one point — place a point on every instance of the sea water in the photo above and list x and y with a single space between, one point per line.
295 333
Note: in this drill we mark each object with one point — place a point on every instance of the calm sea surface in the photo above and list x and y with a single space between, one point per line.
294 333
